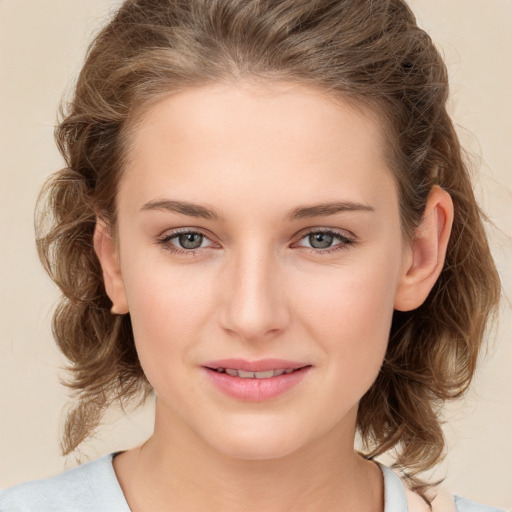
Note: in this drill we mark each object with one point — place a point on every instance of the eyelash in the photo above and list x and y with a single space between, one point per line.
165 241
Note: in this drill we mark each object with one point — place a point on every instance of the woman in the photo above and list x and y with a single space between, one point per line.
266 220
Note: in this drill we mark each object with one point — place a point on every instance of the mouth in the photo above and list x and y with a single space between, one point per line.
244 374
259 384
257 369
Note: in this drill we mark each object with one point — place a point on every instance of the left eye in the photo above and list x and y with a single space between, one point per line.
321 241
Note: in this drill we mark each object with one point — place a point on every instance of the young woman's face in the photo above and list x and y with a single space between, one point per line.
267 272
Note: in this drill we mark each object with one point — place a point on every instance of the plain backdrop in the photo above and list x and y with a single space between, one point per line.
42 45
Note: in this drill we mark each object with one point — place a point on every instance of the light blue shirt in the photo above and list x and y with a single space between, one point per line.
93 487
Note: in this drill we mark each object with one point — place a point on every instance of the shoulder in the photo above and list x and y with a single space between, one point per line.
445 501
399 496
86 488
465 505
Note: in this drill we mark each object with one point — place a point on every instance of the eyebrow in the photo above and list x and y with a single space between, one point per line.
301 212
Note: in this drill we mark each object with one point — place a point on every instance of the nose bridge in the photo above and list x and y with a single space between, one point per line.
254 302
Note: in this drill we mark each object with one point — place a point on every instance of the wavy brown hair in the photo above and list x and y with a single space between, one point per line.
370 53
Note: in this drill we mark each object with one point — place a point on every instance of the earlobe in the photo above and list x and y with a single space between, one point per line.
106 252
427 252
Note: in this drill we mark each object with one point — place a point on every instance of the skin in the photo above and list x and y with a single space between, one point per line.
255 289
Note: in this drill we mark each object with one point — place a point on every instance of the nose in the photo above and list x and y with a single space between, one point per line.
254 304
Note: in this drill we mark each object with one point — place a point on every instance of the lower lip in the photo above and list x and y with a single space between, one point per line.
256 390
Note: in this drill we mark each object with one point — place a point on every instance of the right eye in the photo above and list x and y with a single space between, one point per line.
185 242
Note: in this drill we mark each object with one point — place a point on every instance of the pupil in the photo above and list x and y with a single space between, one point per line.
187 240
324 238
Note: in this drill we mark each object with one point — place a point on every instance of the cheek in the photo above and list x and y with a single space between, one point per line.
167 311
349 313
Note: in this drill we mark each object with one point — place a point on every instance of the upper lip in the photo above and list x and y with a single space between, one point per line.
262 365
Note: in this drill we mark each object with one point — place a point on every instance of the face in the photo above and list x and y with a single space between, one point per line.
262 274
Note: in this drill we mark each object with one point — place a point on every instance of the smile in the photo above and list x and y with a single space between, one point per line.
253 375
255 386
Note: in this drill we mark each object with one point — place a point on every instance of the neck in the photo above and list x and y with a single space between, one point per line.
176 470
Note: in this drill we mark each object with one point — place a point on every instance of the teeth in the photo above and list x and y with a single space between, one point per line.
254 375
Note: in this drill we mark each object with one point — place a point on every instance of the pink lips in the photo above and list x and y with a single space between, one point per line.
255 366
255 390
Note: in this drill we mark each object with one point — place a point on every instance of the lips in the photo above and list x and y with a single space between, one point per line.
254 375
256 381
256 387
263 365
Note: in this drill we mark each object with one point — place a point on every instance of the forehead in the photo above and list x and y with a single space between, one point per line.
251 137
291 110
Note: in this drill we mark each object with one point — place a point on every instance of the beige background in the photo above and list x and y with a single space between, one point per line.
42 43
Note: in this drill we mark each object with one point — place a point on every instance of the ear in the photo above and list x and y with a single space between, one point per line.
106 252
425 256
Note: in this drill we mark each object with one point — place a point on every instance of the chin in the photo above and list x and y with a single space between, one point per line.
257 444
